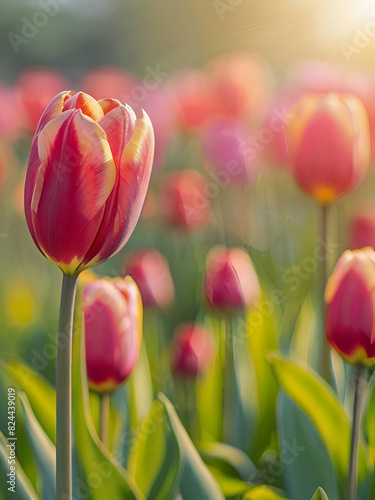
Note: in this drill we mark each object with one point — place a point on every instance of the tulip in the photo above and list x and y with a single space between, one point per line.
11 117
36 88
362 229
350 329
193 350
350 298
241 85
87 178
328 144
226 147
150 270
230 282
113 331
89 168
107 80
195 103
185 203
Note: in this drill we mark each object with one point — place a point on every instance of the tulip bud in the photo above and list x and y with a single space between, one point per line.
150 270
350 297
88 173
185 203
230 281
113 331
241 84
193 350
362 229
328 143
227 147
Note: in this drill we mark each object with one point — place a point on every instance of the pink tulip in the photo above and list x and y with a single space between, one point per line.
113 331
37 87
241 85
193 350
226 146
230 282
195 102
350 297
87 178
12 112
161 108
184 201
150 270
328 143
362 229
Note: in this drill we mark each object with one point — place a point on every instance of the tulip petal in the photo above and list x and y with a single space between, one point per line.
75 158
134 165
53 109
87 104
108 104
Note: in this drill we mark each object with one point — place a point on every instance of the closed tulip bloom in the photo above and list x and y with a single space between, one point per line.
150 270
185 203
226 145
113 331
350 297
328 143
87 178
230 282
362 229
193 350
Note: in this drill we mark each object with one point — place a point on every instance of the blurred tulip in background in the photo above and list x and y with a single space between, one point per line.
113 331
150 271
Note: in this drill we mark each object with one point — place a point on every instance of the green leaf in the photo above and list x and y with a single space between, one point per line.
41 395
104 475
228 458
24 490
262 338
229 485
302 471
316 398
197 481
262 493
320 494
209 390
156 445
43 449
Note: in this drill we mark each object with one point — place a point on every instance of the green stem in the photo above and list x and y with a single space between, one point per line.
360 385
63 389
104 418
228 386
326 358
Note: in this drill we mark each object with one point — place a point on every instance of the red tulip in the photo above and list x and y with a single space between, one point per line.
113 331
241 85
350 295
226 147
362 229
329 146
37 87
185 203
150 270
193 350
107 80
87 178
195 102
230 282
